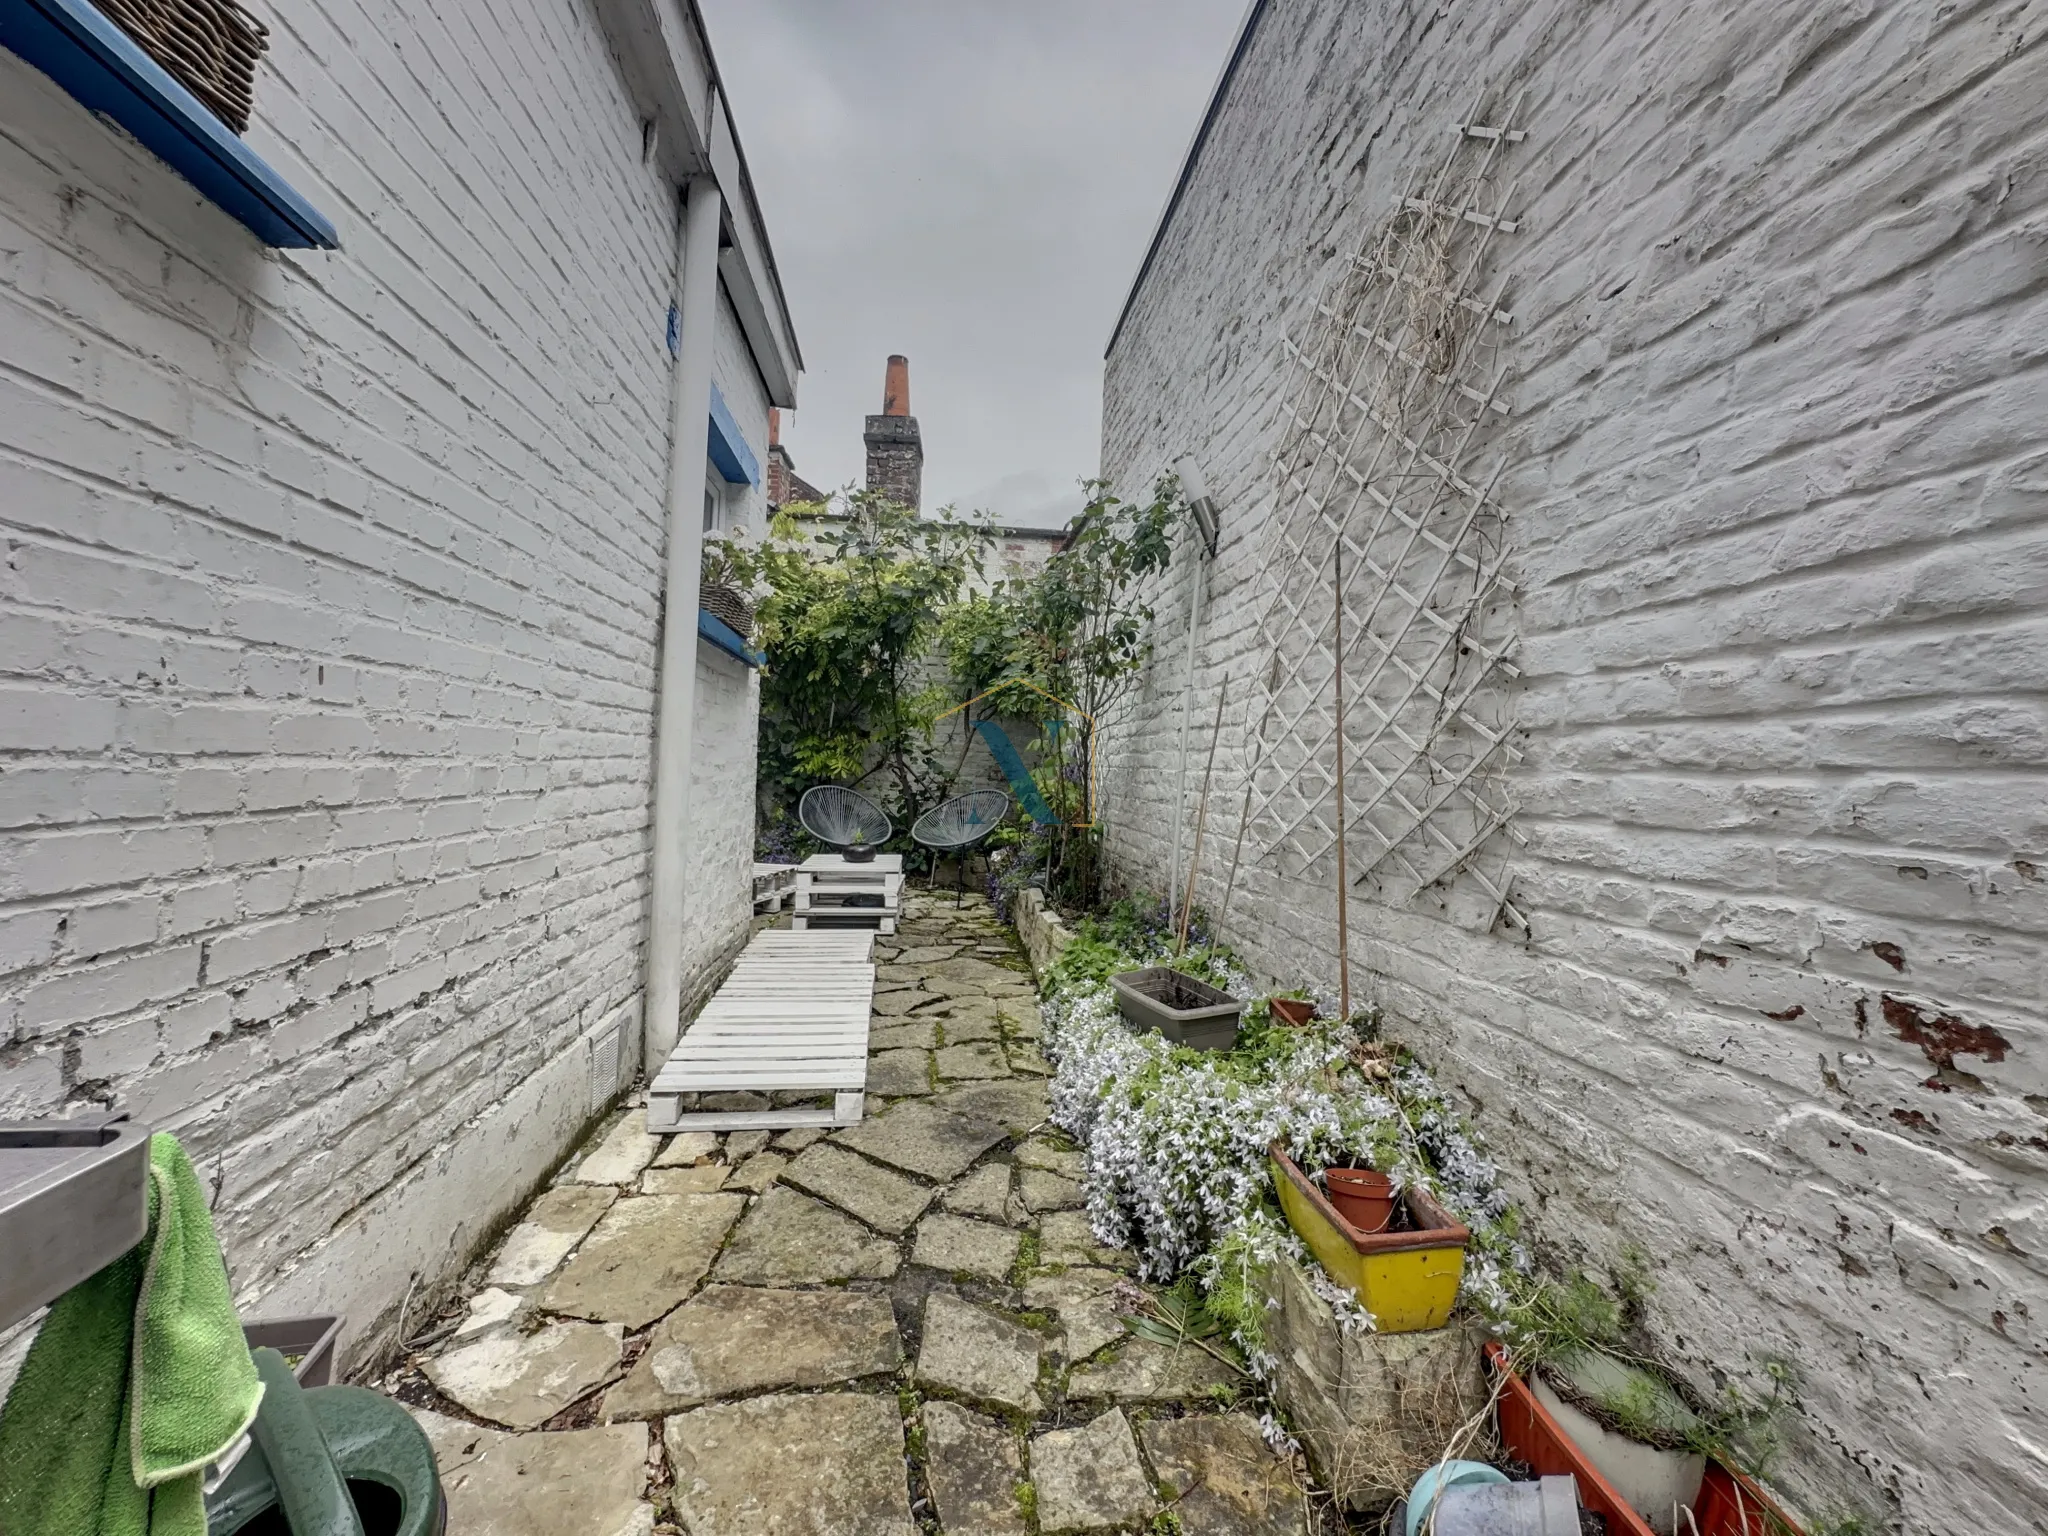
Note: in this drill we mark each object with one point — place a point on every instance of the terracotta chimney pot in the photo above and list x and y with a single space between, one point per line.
896 388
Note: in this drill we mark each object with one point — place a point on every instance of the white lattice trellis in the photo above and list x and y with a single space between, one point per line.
1386 450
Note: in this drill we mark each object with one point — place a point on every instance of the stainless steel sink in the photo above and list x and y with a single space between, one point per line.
73 1198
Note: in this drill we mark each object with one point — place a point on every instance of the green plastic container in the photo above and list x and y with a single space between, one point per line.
329 1461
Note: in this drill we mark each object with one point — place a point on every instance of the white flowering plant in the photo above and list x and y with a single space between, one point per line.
1176 1139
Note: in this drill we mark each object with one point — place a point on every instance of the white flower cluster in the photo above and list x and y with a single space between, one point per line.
1177 1147
1276 1436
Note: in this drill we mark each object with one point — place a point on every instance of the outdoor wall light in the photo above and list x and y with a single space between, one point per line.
1196 488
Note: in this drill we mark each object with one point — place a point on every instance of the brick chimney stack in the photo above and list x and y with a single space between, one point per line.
895 451
785 485
778 461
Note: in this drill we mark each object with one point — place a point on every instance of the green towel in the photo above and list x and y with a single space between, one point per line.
138 1379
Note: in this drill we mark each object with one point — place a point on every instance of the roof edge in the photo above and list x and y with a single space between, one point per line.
1253 12
663 50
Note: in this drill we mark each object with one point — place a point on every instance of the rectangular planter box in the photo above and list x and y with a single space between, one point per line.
1186 1010
1408 1281
307 1344
1730 1504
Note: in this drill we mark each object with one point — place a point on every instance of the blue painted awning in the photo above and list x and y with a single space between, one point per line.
100 65
721 634
728 447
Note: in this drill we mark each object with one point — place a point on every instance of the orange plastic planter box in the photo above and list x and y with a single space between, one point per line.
1730 1504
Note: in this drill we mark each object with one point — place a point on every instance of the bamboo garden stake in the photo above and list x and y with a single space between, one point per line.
1187 906
1337 680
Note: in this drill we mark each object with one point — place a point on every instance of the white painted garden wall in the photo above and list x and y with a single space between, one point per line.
328 635
1776 501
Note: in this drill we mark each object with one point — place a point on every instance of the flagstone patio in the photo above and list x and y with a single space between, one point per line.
902 1327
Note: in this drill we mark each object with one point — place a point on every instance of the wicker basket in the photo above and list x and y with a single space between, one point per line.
725 602
208 46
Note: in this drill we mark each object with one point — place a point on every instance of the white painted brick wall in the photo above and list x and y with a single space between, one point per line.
328 635
1777 505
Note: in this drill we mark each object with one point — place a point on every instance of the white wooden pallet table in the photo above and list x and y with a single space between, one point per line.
838 894
792 1017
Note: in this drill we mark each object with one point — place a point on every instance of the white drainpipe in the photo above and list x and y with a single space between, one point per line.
1195 489
696 298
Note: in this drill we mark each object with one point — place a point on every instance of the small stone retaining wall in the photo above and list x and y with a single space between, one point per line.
1042 930
1373 1410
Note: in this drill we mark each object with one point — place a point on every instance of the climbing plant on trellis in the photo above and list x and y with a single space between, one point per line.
1385 472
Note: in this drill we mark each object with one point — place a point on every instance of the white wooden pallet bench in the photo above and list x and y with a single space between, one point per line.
831 892
773 885
791 1018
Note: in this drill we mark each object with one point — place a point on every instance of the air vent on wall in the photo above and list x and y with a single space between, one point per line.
604 1067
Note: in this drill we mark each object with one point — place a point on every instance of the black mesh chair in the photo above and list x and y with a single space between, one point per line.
845 819
957 825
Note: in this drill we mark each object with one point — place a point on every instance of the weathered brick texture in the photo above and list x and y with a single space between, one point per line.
895 465
328 635
1776 500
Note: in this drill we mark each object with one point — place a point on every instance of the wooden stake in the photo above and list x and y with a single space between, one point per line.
1337 681
1187 906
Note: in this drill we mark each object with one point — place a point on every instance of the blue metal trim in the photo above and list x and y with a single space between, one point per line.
721 634
106 71
728 448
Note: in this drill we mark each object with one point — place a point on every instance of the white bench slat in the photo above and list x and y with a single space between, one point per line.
793 1017
830 1047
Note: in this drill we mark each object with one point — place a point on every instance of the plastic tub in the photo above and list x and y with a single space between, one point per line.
1730 1504
1183 1008
307 1344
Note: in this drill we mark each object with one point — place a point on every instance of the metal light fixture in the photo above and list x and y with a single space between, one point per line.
1200 502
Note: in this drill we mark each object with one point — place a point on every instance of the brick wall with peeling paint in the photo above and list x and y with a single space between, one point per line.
1776 498
330 616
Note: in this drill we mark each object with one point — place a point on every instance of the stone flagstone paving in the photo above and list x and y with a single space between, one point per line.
904 1328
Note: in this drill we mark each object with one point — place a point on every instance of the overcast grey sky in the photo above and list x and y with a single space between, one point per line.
970 183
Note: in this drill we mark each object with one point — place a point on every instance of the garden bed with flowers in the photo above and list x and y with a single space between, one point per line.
1181 1145
1177 1140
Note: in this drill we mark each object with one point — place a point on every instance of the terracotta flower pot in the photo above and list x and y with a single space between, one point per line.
1293 1011
1364 1198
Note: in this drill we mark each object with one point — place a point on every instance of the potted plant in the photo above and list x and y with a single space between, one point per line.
1406 1278
1365 1197
1588 1403
1727 1503
1183 1008
722 588
859 851
1632 1426
1293 1009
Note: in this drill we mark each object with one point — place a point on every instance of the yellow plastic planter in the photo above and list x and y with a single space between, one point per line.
1408 1281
